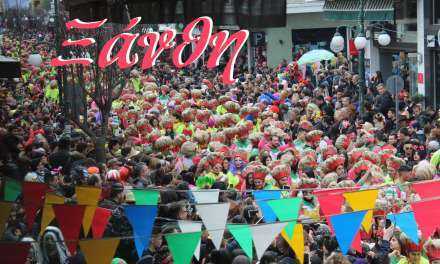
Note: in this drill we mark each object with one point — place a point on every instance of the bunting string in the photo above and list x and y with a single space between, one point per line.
306 220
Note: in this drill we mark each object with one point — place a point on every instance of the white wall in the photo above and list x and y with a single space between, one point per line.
276 52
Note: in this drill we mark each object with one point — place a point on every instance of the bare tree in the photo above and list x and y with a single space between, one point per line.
80 85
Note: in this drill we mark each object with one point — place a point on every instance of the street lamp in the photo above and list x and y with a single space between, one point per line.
360 41
337 43
384 39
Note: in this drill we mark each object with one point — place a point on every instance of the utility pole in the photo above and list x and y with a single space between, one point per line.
361 60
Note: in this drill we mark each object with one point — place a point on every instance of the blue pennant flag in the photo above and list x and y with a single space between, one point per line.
262 197
141 218
346 226
407 224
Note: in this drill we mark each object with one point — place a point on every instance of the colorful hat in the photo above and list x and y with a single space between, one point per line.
188 148
342 142
280 171
260 172
395 162
162 143
371 156
314 136
332 163
307 162
359 169
309 183
306 125
329 151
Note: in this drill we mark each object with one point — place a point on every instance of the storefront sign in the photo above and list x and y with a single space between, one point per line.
430 41
258 39
420 78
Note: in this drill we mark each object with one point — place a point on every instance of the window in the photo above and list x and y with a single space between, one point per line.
435 12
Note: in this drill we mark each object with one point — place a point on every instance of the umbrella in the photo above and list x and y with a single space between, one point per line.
315 56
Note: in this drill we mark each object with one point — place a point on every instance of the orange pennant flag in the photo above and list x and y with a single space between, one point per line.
99 250
363 200
5 210
296 241
88 196
48 214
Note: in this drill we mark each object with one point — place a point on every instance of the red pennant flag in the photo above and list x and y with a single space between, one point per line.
356 245
69 219
14 252
428 189
100 221
427 215
33 200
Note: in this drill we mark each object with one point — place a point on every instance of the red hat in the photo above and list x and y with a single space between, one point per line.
281 171
124 173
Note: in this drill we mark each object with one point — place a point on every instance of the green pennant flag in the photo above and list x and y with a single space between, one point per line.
182 246
146 197
243 235
12 190
286 210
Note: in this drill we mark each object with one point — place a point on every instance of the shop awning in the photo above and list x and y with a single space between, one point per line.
375 10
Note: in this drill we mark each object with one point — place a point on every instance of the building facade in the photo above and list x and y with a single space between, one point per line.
414 27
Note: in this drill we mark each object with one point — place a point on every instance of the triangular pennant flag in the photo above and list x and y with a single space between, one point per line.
98 251
89 213
363 200
243 235
12 190
214 218
264 234
346 226
356 244
191 227
296 242
48 214
330 203
206 196
12 253
427 214
182 246
146 197
286 210
100 221
5 210
141 218
88 196
427 189
33 199
262 197
406 223
69 218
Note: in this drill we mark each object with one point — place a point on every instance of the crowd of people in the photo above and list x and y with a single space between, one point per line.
178 130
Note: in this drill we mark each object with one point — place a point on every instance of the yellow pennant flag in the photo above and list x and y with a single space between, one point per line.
363 200
48 214
296 241
88 196
5 210
99 250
